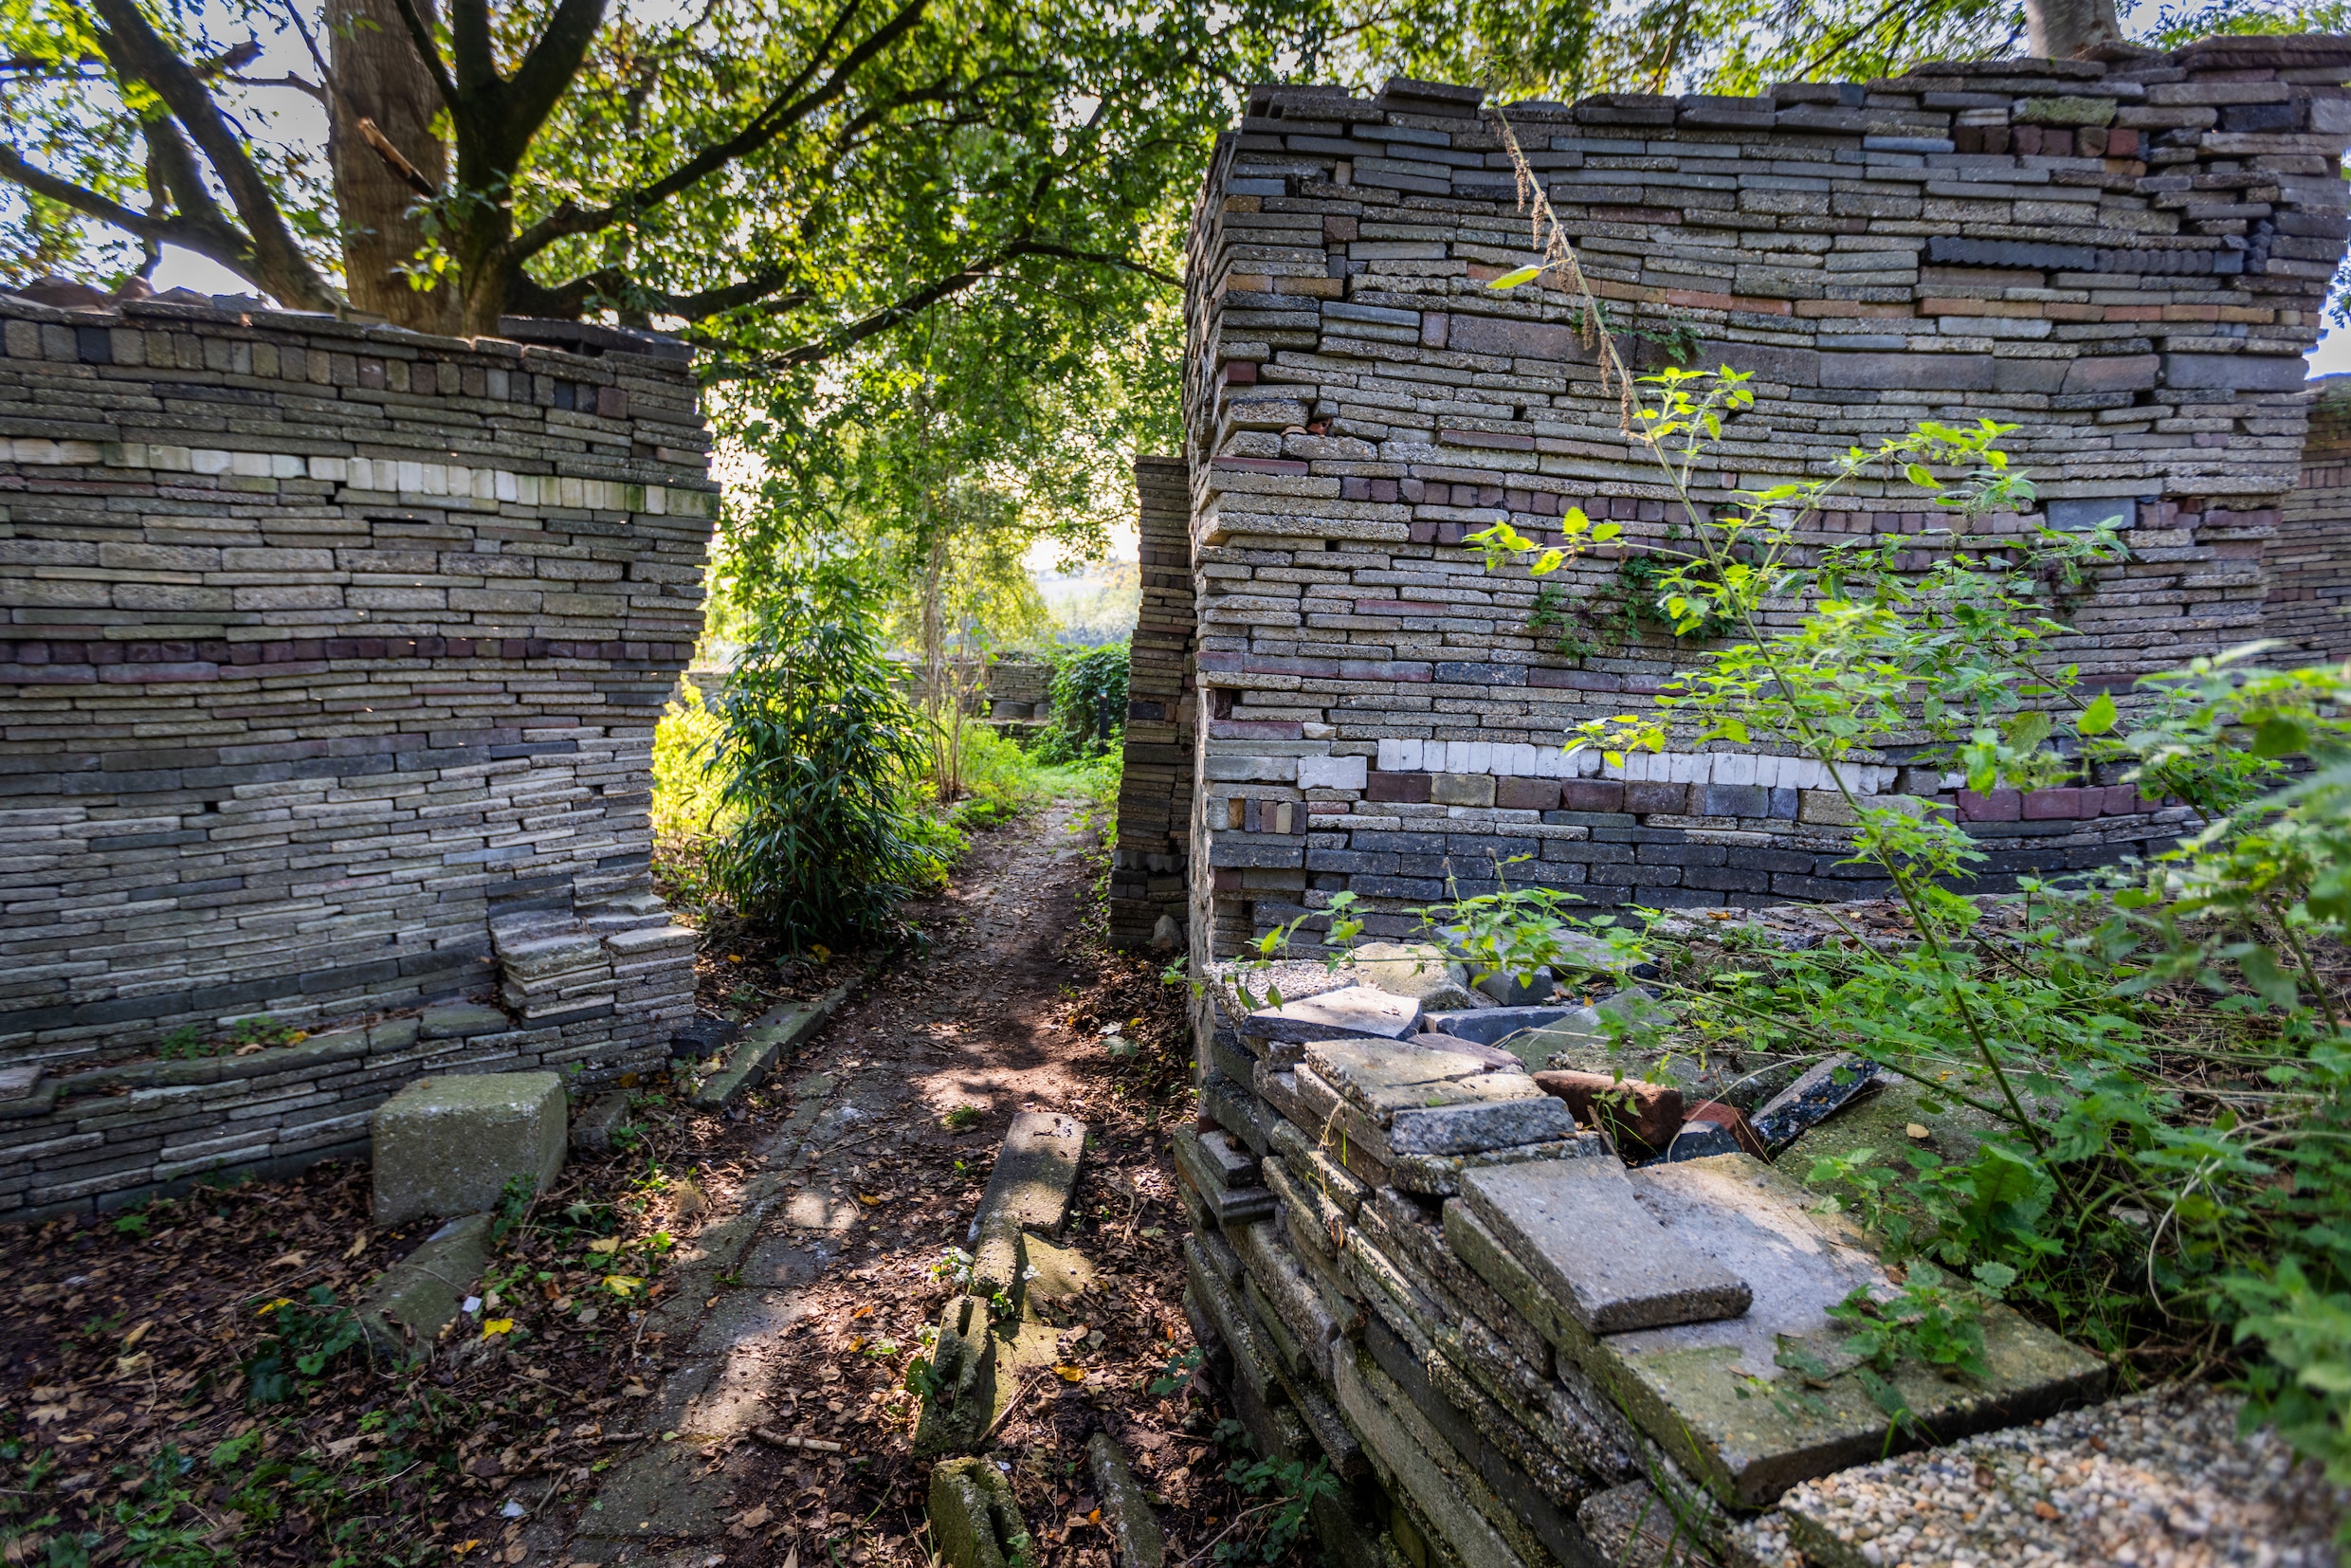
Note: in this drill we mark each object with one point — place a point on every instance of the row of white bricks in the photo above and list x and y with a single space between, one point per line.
382 476
1515 759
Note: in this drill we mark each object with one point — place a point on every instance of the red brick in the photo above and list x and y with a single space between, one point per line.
2052 805
1999 806
1527 795
1593 795
1395 787
1627 1109
1643 798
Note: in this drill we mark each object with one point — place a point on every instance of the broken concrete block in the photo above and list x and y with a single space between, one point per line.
1382 1077
1529 990
1235 1166
1823 1090
1490 1026
594 1130
1508 1119
1035 1171
1133 1528
974 1520
1228 1204
997 1259
451 1145
402 1311
1693 1386
1357 1010
1630 1110
1418 970
961 1400
1578 1229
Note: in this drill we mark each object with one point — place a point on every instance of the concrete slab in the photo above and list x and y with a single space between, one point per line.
773 1038
974 1520
402 1311
1384 1076
596 1130
1590 1246
1358 1012
1717 1395
1490 1025
1035 1171
451 1145
1418 970
667 1490
1228 1204
1133 1528
461 1021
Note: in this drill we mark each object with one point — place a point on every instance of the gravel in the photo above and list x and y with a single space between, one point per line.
2159 1480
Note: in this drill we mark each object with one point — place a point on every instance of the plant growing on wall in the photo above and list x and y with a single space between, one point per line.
2128 1197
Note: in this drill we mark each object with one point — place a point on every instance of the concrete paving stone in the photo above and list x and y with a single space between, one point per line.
461 1021
1413 1457
1229 1205
1385 1076
1512 1119
1035 1171
594 1129
1134 1529
1715 1394
450 1145
975 1520
1233 1165
1418 970
962 1398
1577 1226
666 1491
810 1209
402 1311
772 1038
1360 1011
999 1258
1490 1026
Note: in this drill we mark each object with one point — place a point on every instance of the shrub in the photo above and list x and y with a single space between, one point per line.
820 760
1089 703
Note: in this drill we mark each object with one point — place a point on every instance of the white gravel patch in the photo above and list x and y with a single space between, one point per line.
2159 1480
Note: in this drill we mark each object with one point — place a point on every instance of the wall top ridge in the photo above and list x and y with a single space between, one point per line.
523 337
2127 74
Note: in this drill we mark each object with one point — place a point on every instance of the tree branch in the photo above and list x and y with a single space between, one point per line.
217 241
279 264
781 112
539 81
421 35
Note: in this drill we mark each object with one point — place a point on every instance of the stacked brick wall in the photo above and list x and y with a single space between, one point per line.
2125 261
1150 863
2306 564
327 647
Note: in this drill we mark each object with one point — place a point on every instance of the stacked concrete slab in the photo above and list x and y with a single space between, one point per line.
1150 865
327 644
2308 571
1410 1263
2124 259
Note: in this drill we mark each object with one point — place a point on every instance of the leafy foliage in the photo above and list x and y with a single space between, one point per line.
1089 702
818 753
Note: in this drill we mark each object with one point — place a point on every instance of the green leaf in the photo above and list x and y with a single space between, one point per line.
1995 1277
2099 717
1514 278
1920 476
2280 736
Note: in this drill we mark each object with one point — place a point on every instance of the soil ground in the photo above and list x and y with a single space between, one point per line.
528 1442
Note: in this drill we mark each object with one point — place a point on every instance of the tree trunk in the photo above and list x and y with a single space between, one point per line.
379 78
2062 30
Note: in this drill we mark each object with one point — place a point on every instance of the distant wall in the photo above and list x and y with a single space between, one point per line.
2308 561
2125 261
330 667
1149 863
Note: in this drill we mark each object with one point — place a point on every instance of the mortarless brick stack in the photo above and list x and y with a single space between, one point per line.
2124 260
332 659
1149 866
2307 570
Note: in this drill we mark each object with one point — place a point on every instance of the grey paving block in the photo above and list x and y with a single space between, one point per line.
1035 1171
776 1034
451 1145
1717 1396
1358 1010
1134 1529
404 1309
1589 1245
461 1021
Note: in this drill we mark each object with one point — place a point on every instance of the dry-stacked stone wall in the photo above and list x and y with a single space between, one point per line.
1150 865
331 668
2126 260
2308 568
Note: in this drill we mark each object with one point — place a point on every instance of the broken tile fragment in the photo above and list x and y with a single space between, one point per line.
1824 1090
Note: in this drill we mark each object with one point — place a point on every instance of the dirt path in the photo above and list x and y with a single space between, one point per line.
820 1273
